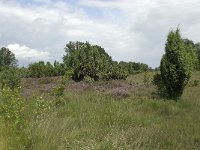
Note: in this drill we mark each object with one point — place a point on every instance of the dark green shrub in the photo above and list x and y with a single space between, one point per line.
177 64
158 82
87 60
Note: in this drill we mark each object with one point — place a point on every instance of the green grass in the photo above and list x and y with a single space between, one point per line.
104 123
91 120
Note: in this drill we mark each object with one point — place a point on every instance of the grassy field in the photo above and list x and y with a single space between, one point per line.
108 115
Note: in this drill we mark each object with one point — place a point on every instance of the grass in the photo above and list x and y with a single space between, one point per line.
94 120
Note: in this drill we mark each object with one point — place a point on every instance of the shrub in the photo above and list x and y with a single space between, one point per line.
10 78
88 79
118 71
158 82
87 60
176 66
11 107
42 69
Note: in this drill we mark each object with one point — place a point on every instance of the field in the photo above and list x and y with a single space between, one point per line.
117 114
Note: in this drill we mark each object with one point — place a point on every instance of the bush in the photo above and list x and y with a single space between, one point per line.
158 82
10 78
11 107
88 79
42 69
118 71
177 64
87 60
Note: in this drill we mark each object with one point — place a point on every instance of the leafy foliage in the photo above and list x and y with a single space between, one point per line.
118 71
7 58
87 60
177 64
10 77
11 107
88 79
42 69
158 82
133 67
93 61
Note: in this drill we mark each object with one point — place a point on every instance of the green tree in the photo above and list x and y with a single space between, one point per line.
7 58
177 64
87 60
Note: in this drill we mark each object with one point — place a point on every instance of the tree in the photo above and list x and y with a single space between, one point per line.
177 64
87 60
7 58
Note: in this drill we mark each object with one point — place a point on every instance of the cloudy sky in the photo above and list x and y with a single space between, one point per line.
129 30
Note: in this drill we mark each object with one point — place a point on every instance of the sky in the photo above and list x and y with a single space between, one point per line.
128 30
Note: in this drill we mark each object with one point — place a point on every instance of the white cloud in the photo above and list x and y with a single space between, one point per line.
25 53
132 30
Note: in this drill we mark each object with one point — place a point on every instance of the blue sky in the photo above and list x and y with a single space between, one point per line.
129 30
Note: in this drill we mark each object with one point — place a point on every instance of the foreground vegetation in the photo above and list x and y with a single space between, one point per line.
99 120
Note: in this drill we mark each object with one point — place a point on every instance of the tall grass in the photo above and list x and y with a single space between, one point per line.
95 121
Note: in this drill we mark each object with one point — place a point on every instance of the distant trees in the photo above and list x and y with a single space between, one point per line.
133 67
42 69
7 58
82 58
176 66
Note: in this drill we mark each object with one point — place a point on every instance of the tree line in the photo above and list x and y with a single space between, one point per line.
84 59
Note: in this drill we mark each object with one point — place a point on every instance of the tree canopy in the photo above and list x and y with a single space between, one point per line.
7 58
87 60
